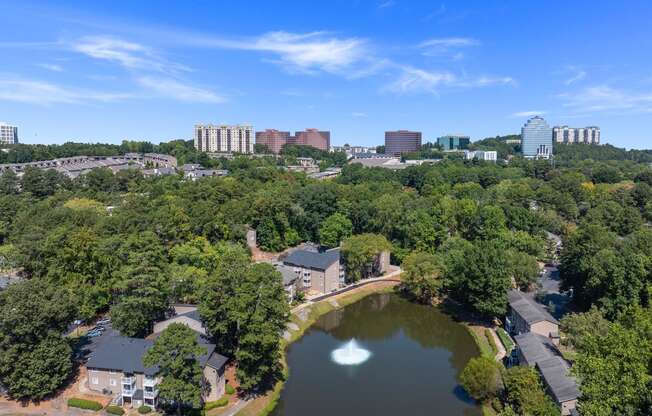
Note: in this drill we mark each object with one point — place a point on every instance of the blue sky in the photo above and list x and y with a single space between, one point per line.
107 71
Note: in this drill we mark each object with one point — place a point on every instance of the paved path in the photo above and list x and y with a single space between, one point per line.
239 405
501 349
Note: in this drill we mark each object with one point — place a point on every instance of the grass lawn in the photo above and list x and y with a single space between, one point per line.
505 339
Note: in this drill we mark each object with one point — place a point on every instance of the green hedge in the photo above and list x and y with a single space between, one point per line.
84 404
505 339
143 410
217 403
229 389
115 410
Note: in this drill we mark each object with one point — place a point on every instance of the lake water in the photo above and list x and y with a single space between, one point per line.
406 362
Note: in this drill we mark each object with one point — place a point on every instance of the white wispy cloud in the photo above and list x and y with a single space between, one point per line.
604 98
129 54
359 114
305 52
530 113
449 42
446 46
177 90
386 4
52 67
420 81
46 93
577 74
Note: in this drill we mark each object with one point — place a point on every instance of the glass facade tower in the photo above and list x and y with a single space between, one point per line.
536 138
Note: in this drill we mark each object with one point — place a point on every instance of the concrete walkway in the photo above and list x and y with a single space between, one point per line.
499 344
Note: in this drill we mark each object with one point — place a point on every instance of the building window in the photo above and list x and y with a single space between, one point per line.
95 380
113 382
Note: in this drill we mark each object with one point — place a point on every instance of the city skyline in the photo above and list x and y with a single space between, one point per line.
103 73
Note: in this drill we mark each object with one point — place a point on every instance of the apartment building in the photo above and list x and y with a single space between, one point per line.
224 138
526 315
488 155
402 141
573 135
116 367
536 139
8 134
318 272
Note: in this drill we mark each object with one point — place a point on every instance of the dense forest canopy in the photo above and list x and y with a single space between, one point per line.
478 228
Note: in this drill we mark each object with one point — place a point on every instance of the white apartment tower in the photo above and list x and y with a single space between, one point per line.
587 135
224 138
8 134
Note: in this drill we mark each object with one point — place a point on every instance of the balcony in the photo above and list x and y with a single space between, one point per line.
150 394
149 382
128 391
128 380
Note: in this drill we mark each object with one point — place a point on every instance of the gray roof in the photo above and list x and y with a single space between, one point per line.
555 373
126 355
289 276
193 314
313 260
535 347
528 309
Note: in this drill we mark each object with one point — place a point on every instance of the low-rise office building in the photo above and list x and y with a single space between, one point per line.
402 141
487 155
453 142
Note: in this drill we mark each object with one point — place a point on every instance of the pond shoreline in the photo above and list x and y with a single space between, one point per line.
302 319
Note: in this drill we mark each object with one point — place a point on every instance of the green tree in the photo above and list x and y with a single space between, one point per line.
575 327
615 368
175 353
422 275
361 254
482 378
244 308
35 359
334 229
525 393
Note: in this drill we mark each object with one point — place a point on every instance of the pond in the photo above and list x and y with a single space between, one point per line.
404 360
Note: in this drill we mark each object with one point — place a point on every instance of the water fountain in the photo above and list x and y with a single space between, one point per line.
350 354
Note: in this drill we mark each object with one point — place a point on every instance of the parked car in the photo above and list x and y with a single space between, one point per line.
104 321
93 334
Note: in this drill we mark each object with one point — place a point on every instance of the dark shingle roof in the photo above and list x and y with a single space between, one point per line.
535 347
126 354
289 276
313 260
528 309
555 373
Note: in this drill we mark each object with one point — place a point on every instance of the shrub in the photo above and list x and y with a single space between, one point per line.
217 403
229 389
115 410
84 404
482 378
143 410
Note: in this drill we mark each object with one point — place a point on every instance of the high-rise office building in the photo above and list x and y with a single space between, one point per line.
452 142
536 139
275 139
224 138
8 134
402 141
586 135
312 137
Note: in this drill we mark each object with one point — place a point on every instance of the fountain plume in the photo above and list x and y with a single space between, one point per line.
350 354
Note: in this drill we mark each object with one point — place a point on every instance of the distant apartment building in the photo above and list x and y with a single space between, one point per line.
536 139
572 135
224 138
275 139
351 151
453 142
8 134
402 141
